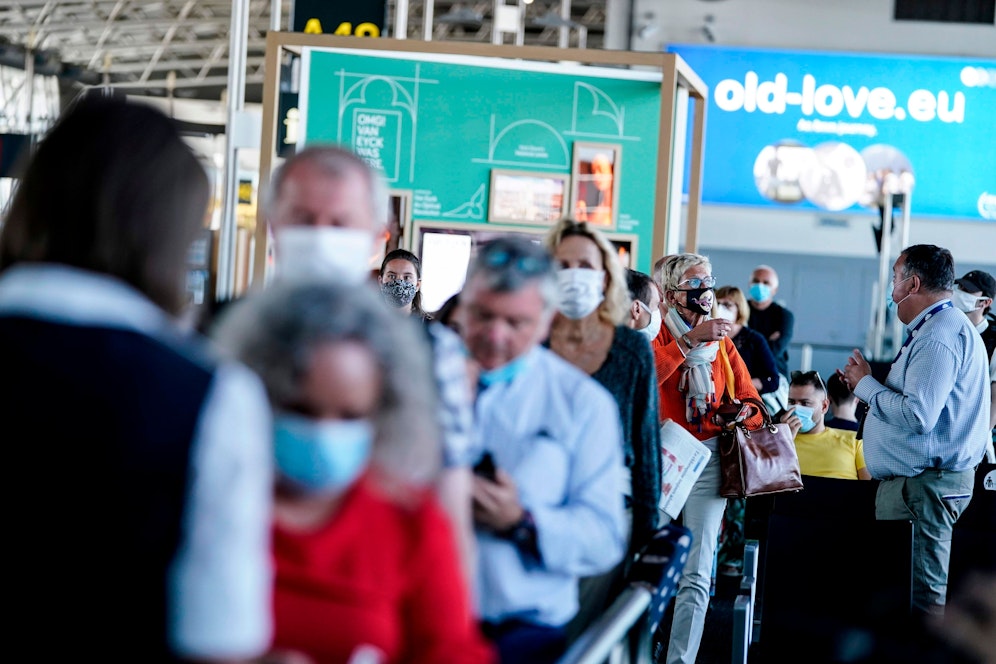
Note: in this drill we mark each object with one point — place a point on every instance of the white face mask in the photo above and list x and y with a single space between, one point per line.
726 313
965 301
653 328
580 291
324 252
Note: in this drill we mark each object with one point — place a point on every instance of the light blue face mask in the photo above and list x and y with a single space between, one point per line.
891 304
805 415
320 456
503 374
759 292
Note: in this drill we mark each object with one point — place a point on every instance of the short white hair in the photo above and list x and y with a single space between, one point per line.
335 162
678 264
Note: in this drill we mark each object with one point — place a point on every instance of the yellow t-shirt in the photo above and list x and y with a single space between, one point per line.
832 453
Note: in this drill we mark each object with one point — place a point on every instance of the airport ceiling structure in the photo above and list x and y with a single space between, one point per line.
180 47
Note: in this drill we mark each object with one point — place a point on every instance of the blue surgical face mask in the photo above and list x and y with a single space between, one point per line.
759 292
805 415
891 304
503 374
320 456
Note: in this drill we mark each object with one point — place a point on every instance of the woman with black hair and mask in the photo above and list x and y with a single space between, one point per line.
400 283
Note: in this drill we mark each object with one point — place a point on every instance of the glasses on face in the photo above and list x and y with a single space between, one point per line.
696 282
499 255
807 376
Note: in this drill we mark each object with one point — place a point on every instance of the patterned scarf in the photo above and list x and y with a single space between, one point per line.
696 376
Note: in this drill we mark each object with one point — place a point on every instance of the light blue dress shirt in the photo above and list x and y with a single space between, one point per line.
556 431
933 411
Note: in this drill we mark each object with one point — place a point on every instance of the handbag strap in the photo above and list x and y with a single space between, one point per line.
731 395
727 371
761 408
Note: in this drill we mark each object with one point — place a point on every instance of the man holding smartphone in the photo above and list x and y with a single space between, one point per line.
547 498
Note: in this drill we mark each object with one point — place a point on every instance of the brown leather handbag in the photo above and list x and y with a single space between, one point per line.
755 462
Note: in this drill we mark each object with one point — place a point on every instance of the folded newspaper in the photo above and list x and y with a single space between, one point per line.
683 460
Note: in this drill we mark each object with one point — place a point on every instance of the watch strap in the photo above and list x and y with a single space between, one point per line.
524 536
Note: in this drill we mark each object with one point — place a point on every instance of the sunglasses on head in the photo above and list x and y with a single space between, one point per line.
500 256
807 376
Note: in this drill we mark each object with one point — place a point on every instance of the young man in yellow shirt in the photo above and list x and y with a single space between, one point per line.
823 451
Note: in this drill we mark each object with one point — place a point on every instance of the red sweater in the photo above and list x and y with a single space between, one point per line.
378 576
668 359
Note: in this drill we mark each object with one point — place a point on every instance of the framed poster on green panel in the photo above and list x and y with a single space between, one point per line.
440 124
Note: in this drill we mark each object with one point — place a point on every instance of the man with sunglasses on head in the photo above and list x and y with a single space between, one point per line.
548 502
823 451
926 427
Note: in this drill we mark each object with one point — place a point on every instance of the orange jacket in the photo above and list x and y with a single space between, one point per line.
668 358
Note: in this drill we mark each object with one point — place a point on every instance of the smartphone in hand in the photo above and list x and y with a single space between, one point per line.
486 467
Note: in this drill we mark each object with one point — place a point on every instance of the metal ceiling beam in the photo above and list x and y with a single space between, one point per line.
202 47
119 24
193 65
167 38
207 82
108 28
141 39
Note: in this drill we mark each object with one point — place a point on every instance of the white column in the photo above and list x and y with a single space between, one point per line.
401 19
236 104
618 24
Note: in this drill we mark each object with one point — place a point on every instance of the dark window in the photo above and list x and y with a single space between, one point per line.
950 11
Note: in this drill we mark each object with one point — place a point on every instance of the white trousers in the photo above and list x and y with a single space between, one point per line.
703 515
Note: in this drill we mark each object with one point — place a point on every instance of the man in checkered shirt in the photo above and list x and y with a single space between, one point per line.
925 429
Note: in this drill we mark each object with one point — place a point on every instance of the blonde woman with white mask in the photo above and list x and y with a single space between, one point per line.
590 331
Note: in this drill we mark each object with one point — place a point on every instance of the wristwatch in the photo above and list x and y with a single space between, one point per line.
688 342
523 535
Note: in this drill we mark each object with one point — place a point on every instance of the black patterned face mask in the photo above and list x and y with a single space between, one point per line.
697 300
398 293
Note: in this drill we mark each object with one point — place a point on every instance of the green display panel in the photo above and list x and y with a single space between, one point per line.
439 125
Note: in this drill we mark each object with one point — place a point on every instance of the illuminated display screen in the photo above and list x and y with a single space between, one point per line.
836 131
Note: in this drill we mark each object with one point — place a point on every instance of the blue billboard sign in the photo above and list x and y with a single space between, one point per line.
844 131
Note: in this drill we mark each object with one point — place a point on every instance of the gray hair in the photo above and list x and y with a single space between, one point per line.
509 264
335 162
658 273
276 331
678 264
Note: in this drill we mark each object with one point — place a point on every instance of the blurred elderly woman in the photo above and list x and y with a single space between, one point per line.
695 359
366 563
589 330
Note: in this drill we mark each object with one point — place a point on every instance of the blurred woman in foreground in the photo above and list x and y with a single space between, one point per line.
366 563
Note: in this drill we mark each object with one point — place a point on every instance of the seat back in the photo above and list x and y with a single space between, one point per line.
831 570
973 542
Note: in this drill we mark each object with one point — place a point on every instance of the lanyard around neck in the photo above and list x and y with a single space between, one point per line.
937 308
